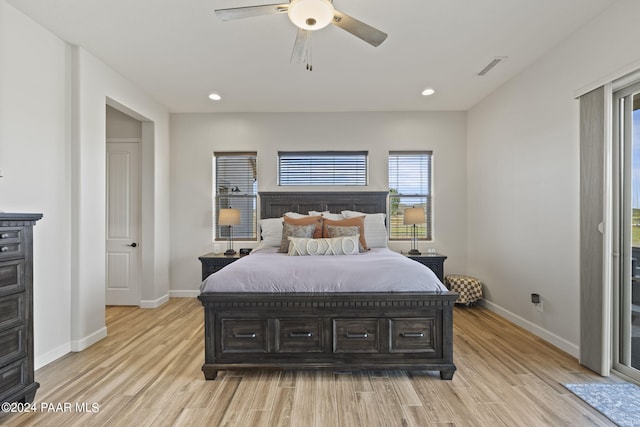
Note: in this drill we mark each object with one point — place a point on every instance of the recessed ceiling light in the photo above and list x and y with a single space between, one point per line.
428 92
214 97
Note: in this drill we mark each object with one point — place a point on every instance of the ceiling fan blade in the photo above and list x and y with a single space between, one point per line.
301 46
249 11
366 32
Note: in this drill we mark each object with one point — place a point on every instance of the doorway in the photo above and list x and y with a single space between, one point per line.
626 126
123 209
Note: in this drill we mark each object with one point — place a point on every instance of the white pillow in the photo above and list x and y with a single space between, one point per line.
271 231
328 215
299 246
296 215
375 232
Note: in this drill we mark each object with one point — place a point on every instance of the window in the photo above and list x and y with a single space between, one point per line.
322 168
409 186
235 186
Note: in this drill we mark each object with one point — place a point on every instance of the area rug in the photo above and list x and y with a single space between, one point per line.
619 402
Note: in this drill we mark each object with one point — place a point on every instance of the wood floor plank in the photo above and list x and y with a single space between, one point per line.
346 395
325 403
361 381
257 418
369 409
147 372
303 410
242 399
402 384
388 400
265 391
281 412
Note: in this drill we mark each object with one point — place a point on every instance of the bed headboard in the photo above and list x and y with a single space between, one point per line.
277 203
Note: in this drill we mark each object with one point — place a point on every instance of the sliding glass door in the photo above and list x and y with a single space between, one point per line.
627 280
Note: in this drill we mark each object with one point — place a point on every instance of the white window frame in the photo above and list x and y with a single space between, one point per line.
236 189
405 168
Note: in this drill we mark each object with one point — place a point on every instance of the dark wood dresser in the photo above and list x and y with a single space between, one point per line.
17 380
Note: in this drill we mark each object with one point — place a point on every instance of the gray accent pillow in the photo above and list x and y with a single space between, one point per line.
290 230
344 231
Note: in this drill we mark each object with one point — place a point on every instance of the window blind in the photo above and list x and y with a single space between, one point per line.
409 186
322 168
236 186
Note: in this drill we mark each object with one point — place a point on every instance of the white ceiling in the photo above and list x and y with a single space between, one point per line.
178 51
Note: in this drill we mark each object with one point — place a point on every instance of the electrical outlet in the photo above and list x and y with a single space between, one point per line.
539 307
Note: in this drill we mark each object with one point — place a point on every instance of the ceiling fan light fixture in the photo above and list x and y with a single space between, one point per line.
214 97
428 91
311 14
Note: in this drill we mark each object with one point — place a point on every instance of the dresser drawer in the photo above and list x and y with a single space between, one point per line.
12 344
356 336
415 335
12 311
11 277
13 377
11 243
244 336
299 335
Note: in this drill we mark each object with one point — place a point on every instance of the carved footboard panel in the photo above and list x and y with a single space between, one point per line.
339 331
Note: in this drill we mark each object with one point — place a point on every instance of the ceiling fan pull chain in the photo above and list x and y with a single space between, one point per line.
309 58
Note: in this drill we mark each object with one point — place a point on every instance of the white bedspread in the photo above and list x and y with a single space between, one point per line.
378 270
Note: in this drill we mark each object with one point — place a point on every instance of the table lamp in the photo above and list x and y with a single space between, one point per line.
413 216
229 217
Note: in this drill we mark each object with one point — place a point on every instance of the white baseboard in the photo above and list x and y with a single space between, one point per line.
154 303
89 340
546 335
44 359
184 294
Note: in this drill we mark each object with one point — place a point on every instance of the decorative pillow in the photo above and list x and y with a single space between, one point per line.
375 229
336 246
306 220
290 230
271 231
327 214
347 222
342 231
296 215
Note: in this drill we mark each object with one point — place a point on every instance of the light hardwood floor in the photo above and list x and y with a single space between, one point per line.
147 373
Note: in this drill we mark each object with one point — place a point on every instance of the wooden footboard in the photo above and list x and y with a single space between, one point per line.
345 331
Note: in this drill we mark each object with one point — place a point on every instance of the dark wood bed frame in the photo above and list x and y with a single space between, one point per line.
338 331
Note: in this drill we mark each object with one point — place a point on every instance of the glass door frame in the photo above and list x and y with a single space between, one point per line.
622 225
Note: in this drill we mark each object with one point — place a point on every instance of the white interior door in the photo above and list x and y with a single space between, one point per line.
123 223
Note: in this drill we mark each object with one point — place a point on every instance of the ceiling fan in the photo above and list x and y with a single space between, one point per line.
308 16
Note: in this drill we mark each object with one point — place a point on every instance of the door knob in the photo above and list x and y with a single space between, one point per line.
133 245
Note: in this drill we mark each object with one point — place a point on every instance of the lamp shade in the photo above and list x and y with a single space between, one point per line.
311 14
413 216
229 216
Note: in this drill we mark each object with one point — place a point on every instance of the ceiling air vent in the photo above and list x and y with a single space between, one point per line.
495 61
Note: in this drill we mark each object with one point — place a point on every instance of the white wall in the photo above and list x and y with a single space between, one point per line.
95 85
35 162
194 138
52 152
121 125
523 177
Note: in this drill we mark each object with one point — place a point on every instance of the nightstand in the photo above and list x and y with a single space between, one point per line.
212 263
434 261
